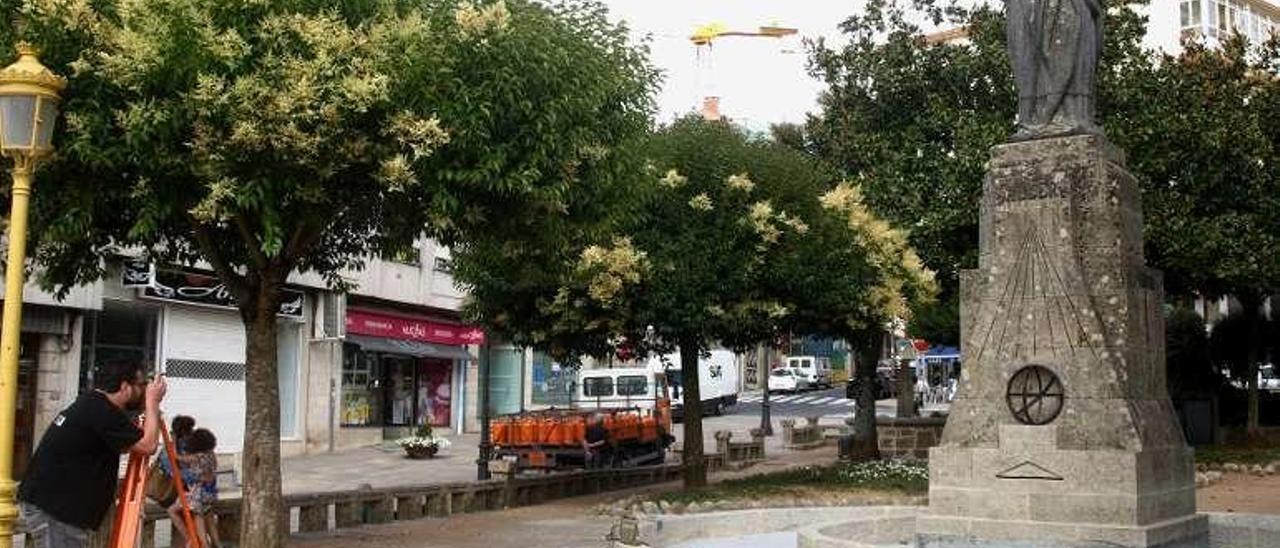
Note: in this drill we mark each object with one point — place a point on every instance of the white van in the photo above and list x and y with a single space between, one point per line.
815 368
620 388
717 380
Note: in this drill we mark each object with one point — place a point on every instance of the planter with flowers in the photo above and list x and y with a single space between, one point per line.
423 444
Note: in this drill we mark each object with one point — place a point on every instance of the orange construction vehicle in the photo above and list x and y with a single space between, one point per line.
633 403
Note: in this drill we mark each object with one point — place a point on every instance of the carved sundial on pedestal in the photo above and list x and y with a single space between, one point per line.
1034 395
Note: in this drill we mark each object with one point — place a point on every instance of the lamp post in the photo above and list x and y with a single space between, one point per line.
28 108
486 448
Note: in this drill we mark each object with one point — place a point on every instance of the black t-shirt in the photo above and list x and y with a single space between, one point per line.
596 433
72 476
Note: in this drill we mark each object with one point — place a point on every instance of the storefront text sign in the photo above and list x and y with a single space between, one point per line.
196 289
373 324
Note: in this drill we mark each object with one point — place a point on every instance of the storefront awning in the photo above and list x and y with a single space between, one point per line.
410 348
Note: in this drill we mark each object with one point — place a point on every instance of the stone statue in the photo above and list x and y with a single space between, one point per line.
1054 47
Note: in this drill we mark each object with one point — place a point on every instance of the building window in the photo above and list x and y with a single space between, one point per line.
409 254
442 264
1190 11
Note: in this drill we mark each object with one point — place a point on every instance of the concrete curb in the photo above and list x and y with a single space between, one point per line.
666 530
880 526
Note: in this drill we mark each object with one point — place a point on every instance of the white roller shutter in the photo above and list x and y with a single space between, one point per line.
204 360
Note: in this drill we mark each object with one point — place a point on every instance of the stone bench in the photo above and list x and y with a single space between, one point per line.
808 436
740 452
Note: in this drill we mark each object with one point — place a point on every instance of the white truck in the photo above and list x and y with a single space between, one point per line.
717 380
816 369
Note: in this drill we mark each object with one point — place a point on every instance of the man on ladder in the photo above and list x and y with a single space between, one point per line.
72 477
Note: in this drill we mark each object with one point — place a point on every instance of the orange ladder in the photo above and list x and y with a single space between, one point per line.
132 496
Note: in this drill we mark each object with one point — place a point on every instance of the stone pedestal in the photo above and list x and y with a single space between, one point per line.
1089 452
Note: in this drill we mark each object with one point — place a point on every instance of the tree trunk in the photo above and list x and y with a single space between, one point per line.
695 466
906 390
866 345
262 503
1252 312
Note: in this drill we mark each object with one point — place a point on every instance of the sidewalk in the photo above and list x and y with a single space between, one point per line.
386 466
567 523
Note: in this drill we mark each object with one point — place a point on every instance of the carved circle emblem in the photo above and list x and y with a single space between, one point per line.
1034 395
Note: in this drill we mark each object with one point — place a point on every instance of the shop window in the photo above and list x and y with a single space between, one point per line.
435 391
119 331
361 388
632 385
401 393
597 386
552 382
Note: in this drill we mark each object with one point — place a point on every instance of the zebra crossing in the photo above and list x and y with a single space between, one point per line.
791 398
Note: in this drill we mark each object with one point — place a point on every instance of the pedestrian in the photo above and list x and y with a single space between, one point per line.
180 429
200 476
72 476
595 442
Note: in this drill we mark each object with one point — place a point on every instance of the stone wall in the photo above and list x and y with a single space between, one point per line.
899 438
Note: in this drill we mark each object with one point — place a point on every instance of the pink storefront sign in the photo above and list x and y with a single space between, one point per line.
375 324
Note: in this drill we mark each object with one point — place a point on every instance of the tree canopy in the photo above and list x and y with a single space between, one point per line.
912 121
263 138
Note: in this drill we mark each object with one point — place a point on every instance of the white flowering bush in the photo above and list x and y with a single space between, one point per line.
880 472
422 442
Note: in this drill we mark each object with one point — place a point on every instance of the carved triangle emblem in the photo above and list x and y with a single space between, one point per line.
1029 470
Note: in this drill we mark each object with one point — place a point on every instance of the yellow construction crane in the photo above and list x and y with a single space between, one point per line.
706 35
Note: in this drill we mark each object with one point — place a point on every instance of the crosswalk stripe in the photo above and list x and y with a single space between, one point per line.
783 399
806 399
850 403
824 401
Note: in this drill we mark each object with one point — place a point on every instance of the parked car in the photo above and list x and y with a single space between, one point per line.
815 368
785 379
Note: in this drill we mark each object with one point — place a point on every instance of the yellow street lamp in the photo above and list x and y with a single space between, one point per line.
28 108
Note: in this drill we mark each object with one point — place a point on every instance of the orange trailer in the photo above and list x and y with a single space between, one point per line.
554 438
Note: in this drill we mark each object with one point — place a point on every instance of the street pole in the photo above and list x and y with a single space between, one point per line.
29 96
766 421
482 461
9 345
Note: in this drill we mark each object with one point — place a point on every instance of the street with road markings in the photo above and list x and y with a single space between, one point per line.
829 403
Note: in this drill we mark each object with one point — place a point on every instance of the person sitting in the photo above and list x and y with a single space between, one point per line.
201 465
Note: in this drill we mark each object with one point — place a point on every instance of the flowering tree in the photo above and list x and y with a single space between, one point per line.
723 239
263 138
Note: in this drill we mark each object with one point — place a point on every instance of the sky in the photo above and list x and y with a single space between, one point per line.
760 81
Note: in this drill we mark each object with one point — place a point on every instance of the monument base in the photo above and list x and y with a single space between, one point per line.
1030 492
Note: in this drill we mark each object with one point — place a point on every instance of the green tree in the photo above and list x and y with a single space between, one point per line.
1187 365
913 122
266 138
723 239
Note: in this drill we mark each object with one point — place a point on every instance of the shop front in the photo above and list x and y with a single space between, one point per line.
399 372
